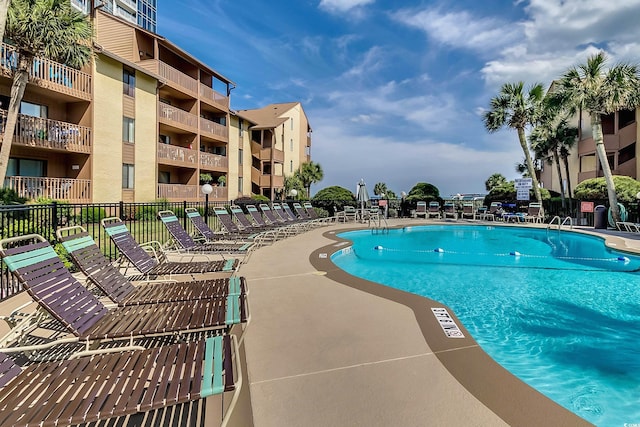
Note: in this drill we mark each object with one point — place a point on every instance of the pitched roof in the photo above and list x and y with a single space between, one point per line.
267 117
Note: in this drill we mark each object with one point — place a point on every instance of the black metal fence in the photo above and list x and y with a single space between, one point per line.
46 219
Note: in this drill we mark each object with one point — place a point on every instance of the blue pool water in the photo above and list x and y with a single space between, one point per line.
559 310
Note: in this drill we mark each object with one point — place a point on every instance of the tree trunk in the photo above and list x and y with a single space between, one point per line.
4 8
556 159
565 160
596 128
532 171
20 79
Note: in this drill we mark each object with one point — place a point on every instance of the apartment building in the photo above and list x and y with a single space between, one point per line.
620 133
139 12
280 141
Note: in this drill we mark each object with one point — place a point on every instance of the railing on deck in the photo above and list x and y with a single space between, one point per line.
177 153
69 189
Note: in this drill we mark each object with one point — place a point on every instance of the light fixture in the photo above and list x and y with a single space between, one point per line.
293 192
206 189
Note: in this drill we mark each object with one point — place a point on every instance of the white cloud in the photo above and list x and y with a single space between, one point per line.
461 29
371 61
335 6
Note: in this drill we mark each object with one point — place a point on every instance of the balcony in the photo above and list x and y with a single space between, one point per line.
265 180
213 161
68 189
50 134
214 98
264 154
177 156
175 78
214 130
48 74
176 117
190 193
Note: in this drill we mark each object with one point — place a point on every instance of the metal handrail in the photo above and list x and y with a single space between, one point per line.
564 221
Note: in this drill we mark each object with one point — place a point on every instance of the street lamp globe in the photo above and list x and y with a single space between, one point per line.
293 192
206 189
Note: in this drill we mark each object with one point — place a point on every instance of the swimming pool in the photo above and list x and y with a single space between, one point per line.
559 310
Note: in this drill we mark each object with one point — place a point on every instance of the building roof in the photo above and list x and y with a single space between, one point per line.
268 117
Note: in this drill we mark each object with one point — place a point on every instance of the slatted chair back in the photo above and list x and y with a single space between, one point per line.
128 246
125 383
240 216
41 272
181 238
302 213
268 213
311 212
280 213
225 219
255 215
289 212
88 257
198 223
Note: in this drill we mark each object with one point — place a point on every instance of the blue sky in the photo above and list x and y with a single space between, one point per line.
395 91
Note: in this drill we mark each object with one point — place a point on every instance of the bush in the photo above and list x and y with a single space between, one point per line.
423 191
92 214
333 199
146 213
10 197
596 189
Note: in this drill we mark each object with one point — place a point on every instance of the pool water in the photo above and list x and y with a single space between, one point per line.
559 310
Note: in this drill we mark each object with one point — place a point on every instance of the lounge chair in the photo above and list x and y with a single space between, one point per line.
254 213
86 255
313 215
434 210
484 215
495 210
421 209
140 256
469 210
349 213
277 221
181 241
244 229
42 274
449 210
108 385
535 213
279 210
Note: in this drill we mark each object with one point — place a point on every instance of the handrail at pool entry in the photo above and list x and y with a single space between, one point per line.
561 222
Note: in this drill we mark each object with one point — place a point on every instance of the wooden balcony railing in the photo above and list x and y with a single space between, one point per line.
215 129
178 154
213 161
71 190
179 192
208 94
177 116
52 134
49 74
178 78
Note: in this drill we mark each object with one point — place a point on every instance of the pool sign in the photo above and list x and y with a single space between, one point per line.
586 207
447 323
523 183
522 194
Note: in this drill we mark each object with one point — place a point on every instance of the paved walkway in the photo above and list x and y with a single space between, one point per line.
327 349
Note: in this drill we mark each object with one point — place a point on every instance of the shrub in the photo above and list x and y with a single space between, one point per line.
596 189
10 197
92 214
146 213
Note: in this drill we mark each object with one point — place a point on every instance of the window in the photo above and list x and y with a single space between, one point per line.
240 184
165 139
290 165
26 167
291 145
627 153
128 129
626 117
34 110
164 177
127 176
240 154
128 82
291 119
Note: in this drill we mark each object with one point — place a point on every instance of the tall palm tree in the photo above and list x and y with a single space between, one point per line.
380 188
517 109
4 9
310 173
50 29
548 137
590 87
495 180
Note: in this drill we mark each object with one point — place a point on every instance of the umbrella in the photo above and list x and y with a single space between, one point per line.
362 196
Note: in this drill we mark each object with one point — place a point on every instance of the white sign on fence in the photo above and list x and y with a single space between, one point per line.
522 194
523 183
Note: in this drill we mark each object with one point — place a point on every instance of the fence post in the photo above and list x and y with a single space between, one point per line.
54 215
121 213
184 217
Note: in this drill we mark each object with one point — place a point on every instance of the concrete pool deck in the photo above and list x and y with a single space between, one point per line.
328 349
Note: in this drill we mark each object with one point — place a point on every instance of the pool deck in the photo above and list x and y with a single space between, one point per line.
328 349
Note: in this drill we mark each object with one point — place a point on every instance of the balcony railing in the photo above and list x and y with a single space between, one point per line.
48 74
209 94
177 116
213 128
178 192
213 161
71 190
51 134
178 154
178 77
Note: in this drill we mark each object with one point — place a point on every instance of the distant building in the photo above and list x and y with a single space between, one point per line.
139 12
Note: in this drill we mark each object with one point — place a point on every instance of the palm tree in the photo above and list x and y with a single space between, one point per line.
50 29
380 188
548 137
597 91
516 109
495 180
310 173
4 9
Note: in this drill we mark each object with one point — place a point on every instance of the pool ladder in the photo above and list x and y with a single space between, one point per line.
561 222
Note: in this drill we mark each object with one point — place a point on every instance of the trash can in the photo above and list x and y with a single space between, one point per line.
600 217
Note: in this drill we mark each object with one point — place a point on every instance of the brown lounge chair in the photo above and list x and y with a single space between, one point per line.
157 265
86 255
33 262
107 385
434 210
243 230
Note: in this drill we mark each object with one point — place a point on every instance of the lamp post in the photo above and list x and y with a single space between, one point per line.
293 193
206 190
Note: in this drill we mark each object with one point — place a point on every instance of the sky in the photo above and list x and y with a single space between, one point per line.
395 90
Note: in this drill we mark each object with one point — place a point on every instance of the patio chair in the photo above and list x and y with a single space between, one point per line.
313 215
495 210
469 210
254 213
484 215
181 241
266 233
421 209
279 210
36 266
433 210
348 214
88 257
274 220
149 258
535 213
104 386
449 210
